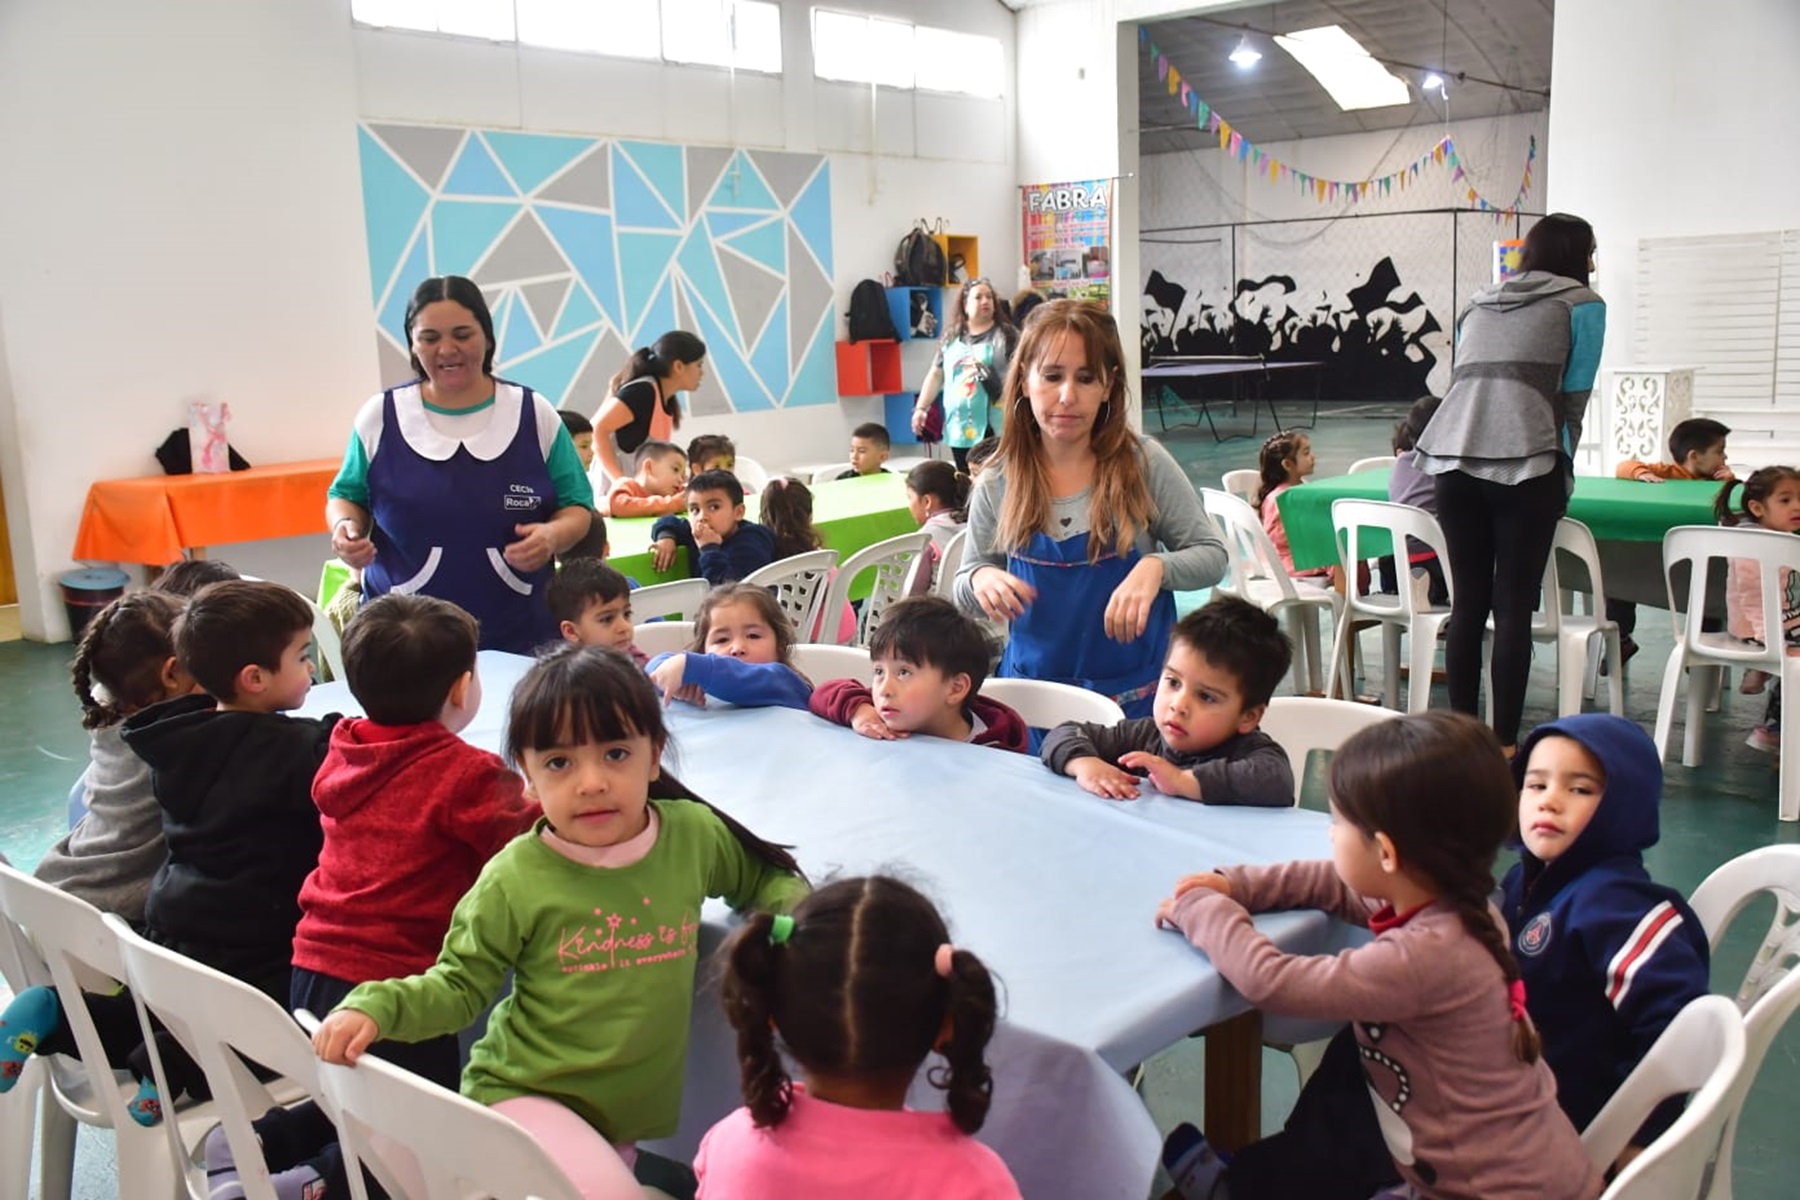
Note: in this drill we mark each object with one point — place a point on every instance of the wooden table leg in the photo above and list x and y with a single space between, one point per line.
1234 1081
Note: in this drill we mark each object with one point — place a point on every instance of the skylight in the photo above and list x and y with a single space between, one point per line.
1341 65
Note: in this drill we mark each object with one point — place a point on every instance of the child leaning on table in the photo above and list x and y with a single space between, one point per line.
658 488
742 654
592 606
1202 741
722 546
861 983
930 661
1420 805
587 1055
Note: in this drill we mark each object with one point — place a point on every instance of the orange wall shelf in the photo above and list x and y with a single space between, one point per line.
870 368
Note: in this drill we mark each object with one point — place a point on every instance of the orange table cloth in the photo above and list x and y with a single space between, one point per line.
153 520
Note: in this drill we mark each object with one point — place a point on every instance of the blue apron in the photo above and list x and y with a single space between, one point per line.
440 529
1062 636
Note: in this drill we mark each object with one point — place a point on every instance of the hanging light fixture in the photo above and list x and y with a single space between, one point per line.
1246 55
1433 82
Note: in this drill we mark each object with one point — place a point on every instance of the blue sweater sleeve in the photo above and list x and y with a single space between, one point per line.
1587 334
749 685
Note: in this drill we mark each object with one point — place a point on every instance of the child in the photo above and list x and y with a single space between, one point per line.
742 651
656 489
723 546
869 447
1419 805
930 662
411 813
787 509
592 606
593 542
1407 485
1608 955
980 453
1772 500
1285 461
1202 742
937 495
581 432
861 983
712 452
189 575
583 1052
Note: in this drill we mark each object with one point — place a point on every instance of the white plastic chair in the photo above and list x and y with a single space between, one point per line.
1699 546
662 637
20 968
752 474
326 643
906 462
821 662
1303 724
892 562
948 564
224 1023
1243 484
799 582
1573 633
76 947
1256 574
828 473
1703 1052
1045 704
409 1131
1375 462
1771 987
678 599
1396 614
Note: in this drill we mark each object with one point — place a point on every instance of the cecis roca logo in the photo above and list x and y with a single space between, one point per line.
522 497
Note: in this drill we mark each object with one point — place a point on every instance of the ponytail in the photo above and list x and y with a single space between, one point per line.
1479 921
1271 461
967 1082
1722 510
1757 490
748 992
940 480
124 649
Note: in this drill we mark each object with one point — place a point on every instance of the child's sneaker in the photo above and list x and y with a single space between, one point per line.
31 1017
1766 738
1195 1169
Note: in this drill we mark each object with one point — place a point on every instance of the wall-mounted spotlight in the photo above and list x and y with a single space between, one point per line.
1246 55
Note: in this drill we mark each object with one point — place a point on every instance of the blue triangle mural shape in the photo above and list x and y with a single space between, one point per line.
462 231
659 317
392 204
416 270
811 215
740 383
816 380
724 224
578 312
742 187
477 174
635 203
521 336
550 371
586 239
643 259
771 355
766 244
531 158
661 165
701 268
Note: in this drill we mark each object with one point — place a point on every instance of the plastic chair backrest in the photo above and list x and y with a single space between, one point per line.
1375 462
1698 545
1577 541
949 563
892 561
1700 1052
1244 484
225 1024
1254 556
1400 521
663 637
678 600
1302 724
326 641
828 473
1045 704
752 474
799 583
822 662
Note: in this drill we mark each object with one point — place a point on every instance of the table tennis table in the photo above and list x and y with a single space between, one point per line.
1239 369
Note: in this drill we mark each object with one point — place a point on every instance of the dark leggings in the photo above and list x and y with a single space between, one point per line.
1498 537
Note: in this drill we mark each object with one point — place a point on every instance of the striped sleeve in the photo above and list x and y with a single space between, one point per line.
1655 928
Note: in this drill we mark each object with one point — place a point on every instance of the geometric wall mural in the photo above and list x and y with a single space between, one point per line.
588 247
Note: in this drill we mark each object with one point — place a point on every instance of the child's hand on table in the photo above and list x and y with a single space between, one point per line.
1168 778
665 554
668 680
867 721
1104 779
1211 880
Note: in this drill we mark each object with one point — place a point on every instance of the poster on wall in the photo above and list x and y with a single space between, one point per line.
1506 258
1068 239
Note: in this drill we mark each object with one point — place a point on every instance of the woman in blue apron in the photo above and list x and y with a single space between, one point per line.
1079 530
460 485
970 367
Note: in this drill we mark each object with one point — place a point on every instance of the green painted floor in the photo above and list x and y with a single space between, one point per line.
1710 814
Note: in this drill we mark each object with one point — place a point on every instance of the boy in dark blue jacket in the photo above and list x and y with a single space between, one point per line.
1608 955
722 546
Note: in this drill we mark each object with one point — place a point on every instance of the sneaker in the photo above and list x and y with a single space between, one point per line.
1766 738
1194 1167
1627 648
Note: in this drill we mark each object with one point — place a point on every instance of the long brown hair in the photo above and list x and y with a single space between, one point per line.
1119 506
787 512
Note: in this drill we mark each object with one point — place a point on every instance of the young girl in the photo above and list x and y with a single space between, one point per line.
1286 460
861 982
584 1052
787 512
1772 500
741 653
1464 1103
937 495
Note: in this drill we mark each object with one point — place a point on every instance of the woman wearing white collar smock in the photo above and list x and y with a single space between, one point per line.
472 484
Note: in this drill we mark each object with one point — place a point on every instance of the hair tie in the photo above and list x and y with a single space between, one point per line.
1515 999
941 963
781 928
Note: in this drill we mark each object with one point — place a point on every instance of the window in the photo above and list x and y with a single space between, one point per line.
745 34
946 61
854 48
491 19
626 28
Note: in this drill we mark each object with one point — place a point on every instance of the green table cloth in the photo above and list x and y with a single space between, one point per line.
1617 510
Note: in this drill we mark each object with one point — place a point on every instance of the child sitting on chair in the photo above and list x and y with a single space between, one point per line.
1285 461
929 664
722 545
869 450
1203 742
657 488
742 653
712 452
592 606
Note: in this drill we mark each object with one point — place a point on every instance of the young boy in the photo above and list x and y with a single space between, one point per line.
592 606
712 452
656 489
593 543
869 445
723 546
581 432
1203 742
930 662
1608 955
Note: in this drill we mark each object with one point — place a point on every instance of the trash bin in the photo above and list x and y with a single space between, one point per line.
87 591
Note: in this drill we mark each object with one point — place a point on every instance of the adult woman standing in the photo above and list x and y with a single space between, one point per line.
970 367
460 485
1066 521
645 404
1500 447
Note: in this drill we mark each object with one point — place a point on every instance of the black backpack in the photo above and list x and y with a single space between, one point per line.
919 261
869 317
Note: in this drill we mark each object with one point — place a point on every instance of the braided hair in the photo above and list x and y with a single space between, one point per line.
1272 461
124 649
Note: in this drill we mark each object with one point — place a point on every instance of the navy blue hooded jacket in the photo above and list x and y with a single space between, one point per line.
1608 955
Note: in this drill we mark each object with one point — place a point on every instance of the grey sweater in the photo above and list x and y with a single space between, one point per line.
1249 768
111 855
1527 351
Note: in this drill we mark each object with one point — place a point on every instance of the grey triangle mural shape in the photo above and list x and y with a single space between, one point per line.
710 399
588 182
704 166
753 292
809 292
786 173
393 363
590 390
523 253
545 301
425 149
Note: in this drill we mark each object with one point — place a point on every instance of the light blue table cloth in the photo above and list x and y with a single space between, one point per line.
1055 889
